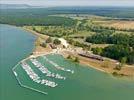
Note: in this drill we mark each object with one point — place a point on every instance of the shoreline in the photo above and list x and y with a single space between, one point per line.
124 72
45 93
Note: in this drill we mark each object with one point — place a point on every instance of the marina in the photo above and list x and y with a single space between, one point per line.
36 77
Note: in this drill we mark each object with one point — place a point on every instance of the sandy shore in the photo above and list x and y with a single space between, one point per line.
35 33
40 38
127 70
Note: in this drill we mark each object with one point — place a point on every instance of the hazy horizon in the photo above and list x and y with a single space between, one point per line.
71 2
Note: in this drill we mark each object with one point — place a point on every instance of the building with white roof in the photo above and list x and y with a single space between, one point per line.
64 42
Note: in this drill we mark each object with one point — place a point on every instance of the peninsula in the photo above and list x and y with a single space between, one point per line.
81 51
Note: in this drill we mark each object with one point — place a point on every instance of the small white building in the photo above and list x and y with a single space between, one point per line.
64 42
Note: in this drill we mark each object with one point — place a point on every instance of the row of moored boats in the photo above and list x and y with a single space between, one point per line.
44 70
35 77
57 66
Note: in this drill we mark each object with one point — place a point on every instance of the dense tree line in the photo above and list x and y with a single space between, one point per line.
122 46
99 38
106 38
117 52
47 20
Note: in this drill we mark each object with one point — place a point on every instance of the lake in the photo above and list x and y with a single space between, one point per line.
85 84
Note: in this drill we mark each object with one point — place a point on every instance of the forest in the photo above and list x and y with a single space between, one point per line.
41 16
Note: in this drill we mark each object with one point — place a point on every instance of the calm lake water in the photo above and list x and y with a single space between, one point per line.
85 84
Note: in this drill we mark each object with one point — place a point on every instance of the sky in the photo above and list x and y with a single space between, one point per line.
71 2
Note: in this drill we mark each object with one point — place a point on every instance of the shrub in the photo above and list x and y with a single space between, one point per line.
49 40
57 42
